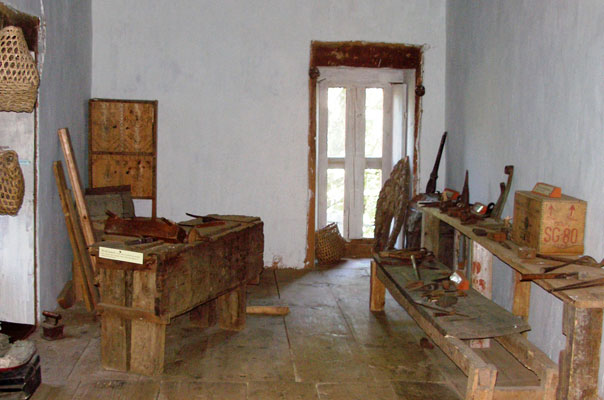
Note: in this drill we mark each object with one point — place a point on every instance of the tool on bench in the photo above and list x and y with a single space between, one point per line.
560 275
505 190
583 260
580 285
415 268
52 329
158 228
431 186
405 254
441 310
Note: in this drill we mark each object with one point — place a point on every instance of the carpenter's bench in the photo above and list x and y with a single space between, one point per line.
453 334
206 277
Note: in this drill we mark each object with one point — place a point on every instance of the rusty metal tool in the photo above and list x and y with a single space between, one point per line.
441 310
419 278
505 191
583 260
560 275
52 328
580 285
465 192
431 186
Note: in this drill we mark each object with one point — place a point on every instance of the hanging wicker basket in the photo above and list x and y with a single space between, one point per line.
12 186
19 77
329 244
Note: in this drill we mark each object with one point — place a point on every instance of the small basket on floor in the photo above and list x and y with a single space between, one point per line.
329 244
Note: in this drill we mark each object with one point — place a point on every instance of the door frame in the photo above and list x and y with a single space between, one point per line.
355 54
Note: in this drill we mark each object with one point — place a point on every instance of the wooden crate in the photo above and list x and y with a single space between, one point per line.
550 225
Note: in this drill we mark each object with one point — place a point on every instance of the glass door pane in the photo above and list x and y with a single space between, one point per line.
371 191
336 119
374 120
335 197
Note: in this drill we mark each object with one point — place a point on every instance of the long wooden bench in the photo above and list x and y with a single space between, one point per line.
482 319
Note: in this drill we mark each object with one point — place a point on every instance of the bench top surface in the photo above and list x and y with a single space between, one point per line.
484 319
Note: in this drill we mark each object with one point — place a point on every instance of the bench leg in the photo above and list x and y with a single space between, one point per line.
147 347
204 316
231 309
377 294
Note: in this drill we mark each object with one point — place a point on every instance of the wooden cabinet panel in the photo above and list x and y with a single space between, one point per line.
123 146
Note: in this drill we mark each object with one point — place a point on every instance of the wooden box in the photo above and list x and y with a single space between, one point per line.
550 225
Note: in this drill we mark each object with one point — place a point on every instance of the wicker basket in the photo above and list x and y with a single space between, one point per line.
329 244
12 186
19 77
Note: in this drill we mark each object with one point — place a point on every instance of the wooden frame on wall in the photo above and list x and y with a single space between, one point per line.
354 54
122 146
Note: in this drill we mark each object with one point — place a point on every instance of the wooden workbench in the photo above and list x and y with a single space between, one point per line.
207 278
582 317
482 319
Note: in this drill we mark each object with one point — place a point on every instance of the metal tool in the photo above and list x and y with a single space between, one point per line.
431 186
580 285
52 329
415 268
465 192
562 275
505 191
584 260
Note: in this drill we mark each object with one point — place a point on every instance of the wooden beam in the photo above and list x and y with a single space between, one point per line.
231 309
82 260
78 193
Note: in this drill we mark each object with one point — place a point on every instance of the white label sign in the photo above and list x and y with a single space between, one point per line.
121 255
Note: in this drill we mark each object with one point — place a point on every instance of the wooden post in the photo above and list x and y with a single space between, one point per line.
231 309
482 281
430 233
377 293
580 360
521 297
115 330
204 316
148 338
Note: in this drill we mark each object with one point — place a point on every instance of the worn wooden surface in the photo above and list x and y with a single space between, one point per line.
482 376
139 300
580 360
123 146
486 319
481 279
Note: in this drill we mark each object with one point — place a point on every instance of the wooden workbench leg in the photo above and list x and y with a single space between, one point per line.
231 309
377 291
115 330
521 298
481 383
147 347
482 281
204 315
430 233
580 360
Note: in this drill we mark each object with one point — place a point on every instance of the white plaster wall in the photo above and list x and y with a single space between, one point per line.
65 47
232 83
525 86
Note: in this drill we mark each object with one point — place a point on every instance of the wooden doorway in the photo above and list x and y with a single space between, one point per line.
363 55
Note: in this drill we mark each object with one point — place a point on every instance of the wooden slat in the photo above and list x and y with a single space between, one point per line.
82 260
377 294
78 193
482 280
